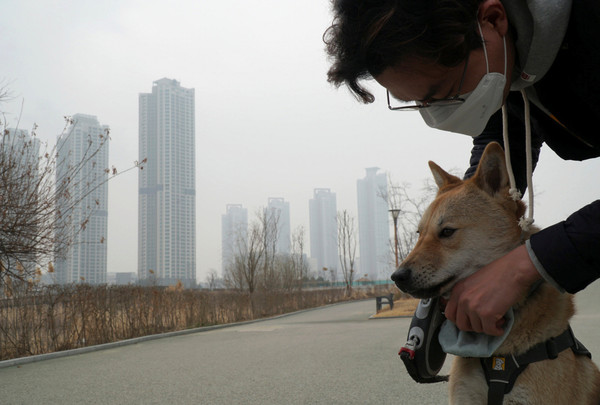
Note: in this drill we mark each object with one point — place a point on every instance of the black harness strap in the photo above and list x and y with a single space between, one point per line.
502 372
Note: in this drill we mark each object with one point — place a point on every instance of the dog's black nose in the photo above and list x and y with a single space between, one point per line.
401 275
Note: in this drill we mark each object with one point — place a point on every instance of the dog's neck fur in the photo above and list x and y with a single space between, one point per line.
532 326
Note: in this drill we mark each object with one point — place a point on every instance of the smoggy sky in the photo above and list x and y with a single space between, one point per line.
267 122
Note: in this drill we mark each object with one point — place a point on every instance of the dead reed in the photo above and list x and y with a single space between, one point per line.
54 318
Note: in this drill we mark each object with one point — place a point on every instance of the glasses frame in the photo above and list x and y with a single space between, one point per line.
454 100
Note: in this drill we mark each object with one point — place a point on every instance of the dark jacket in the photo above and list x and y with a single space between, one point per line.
569 251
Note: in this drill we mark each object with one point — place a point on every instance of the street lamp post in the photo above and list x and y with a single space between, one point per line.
395 213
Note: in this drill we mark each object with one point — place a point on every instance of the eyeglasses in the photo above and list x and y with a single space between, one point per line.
417 105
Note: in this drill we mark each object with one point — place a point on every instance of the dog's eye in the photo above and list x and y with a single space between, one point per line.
447 232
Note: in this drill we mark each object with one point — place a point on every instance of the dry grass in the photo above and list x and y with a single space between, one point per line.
402 307
55 318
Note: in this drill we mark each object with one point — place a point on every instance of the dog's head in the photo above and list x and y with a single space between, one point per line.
469 224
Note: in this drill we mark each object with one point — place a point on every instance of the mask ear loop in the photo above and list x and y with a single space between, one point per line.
487 64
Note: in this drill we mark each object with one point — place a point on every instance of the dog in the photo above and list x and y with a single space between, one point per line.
469 224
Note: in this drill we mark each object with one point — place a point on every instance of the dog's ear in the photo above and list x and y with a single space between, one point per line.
491 175
441 177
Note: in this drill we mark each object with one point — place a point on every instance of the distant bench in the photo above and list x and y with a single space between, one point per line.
380 301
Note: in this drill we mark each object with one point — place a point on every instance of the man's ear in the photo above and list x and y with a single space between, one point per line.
441 177
493 12
491 175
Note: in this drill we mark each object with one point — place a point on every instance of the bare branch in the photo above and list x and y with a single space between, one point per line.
37 213
347 247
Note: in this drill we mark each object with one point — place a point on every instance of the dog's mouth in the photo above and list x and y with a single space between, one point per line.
434 291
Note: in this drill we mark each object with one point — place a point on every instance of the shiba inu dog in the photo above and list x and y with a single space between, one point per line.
468 225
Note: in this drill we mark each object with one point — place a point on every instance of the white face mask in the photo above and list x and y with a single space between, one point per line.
471 117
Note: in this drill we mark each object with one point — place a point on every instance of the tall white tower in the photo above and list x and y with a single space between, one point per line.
373 225
234 228
167 185
323 231
84 207
279 210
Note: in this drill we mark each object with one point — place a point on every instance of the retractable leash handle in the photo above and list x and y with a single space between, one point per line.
422 354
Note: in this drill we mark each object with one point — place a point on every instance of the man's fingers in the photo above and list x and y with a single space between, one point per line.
463 322
494 328
450 311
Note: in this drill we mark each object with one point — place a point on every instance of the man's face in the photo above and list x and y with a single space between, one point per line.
422 80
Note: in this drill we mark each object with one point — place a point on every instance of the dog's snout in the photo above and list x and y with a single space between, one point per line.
401 275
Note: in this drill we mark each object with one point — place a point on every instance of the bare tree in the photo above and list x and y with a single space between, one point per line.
298 259
212 279
285 268
234 273
248 260
347 247
35 210
256 262
268 220
409 210
252 264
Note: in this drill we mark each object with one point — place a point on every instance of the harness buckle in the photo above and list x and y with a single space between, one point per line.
551 349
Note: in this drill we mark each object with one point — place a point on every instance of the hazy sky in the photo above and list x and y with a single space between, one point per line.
267 122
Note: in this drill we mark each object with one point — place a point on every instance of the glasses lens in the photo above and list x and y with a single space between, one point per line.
398 105
395 105
405 105
445 102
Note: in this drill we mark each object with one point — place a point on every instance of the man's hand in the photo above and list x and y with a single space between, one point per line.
479 302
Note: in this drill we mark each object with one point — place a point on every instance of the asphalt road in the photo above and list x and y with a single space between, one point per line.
332 355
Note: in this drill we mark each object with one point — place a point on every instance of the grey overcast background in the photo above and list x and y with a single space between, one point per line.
267 122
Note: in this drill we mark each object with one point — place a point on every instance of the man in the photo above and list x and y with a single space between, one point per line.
457 62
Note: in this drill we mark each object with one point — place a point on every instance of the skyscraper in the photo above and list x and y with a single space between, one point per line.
84 206
279 210
323 231
234 228
167 185
373 225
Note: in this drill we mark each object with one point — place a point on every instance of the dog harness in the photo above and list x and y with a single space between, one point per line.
502 372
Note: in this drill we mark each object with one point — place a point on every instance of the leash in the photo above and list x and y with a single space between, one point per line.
422 354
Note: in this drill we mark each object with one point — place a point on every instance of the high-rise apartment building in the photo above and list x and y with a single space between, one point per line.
373 225
167 185
234 229
278 210
323 232
84 205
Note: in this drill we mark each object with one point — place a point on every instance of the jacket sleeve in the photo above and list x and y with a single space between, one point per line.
569 251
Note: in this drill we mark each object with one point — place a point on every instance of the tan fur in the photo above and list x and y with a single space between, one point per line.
485 223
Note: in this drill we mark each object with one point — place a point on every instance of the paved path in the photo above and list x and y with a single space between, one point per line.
333 355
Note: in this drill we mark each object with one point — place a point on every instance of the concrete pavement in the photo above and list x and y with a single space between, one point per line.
331 355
